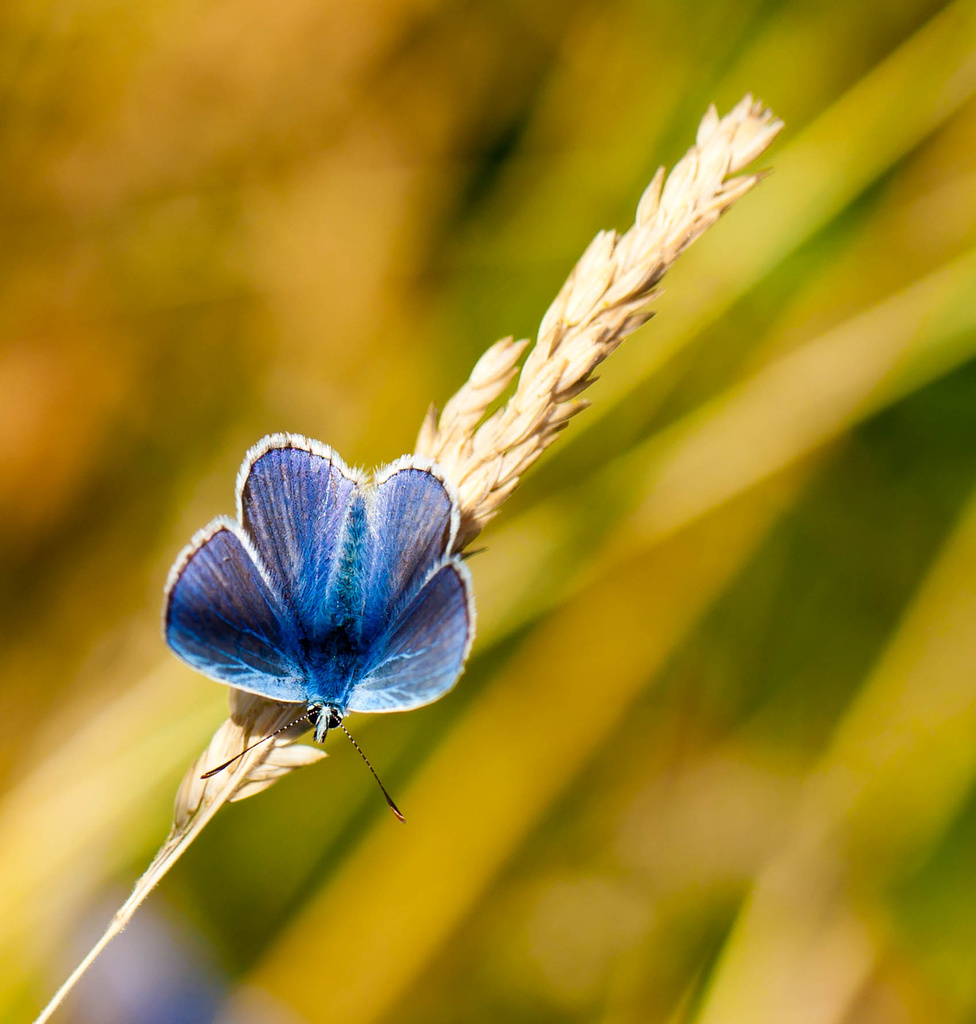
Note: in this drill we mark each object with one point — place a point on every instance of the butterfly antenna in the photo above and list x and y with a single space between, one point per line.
389 799
264 739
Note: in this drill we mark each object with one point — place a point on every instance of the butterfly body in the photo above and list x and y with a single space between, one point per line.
328 590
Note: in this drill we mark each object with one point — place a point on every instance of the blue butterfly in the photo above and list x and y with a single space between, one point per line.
329 590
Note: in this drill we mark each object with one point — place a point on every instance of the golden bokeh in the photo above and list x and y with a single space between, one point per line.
713 756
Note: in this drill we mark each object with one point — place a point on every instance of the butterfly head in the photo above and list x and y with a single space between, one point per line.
324 717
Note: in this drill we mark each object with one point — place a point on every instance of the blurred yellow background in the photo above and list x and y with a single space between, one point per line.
713 758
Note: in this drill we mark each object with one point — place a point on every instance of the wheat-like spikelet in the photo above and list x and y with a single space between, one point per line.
604 299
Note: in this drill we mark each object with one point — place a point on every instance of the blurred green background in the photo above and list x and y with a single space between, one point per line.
713 758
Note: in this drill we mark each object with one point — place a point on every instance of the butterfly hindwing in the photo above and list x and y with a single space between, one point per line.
223 617
420 654
294 496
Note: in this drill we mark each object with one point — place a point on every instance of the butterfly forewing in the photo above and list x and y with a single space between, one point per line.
412 522
225 620
294 498
422 651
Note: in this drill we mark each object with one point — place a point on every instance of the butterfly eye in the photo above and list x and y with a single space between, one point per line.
314 714
335 718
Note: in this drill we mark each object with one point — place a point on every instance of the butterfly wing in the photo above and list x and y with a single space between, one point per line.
223 616
315 552
420 655
412 523
294 496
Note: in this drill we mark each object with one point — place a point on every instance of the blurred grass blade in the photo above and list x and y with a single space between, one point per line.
804 400
71 788
783 412
903 760
507 751
847 148
767 422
